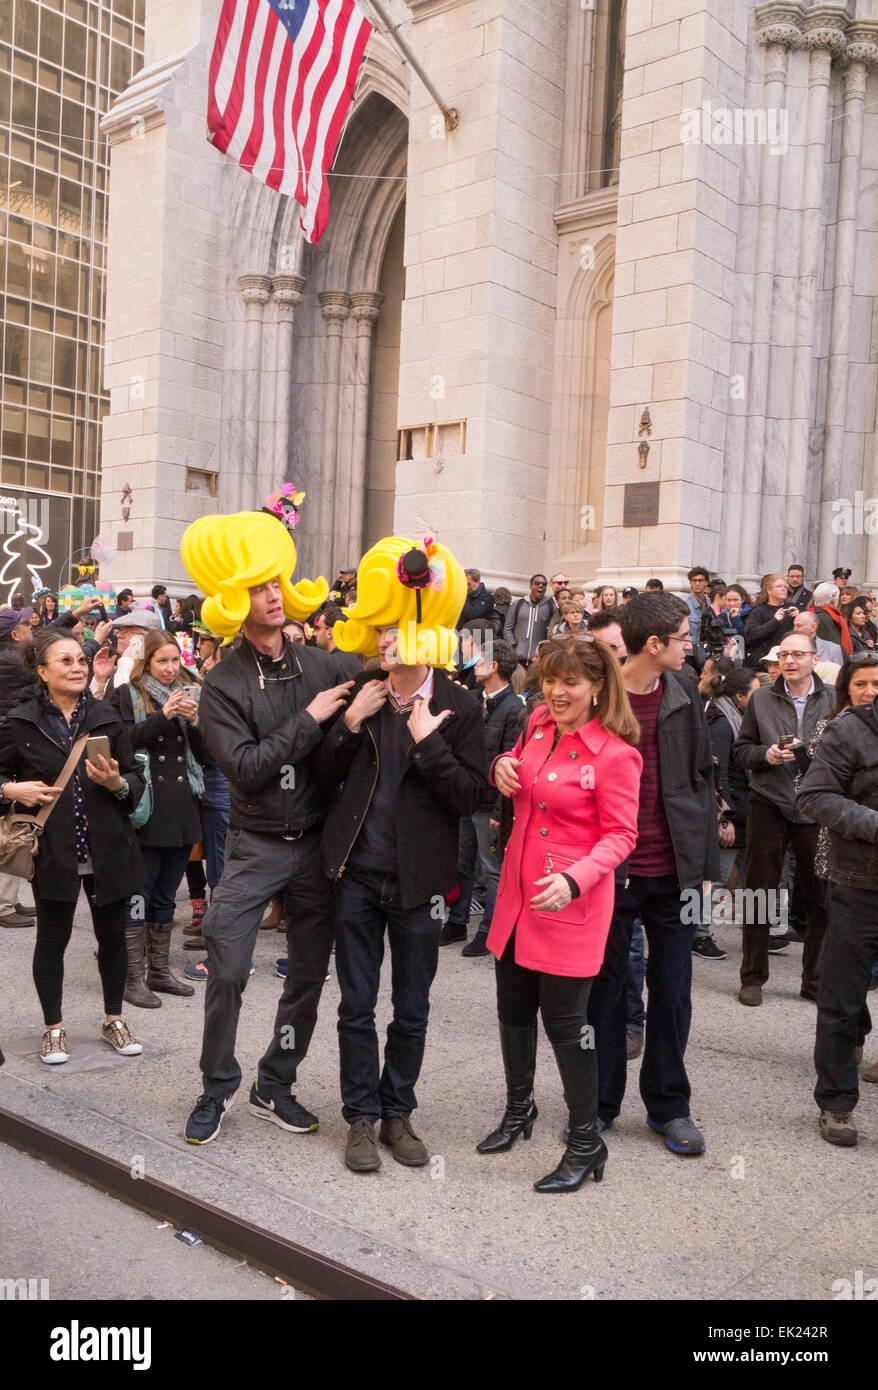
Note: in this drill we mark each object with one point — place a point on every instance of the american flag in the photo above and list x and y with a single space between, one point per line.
282 79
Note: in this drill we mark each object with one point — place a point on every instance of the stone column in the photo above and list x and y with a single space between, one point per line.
841 476
824 36
255 292
751 353
286 293
335 306
351 517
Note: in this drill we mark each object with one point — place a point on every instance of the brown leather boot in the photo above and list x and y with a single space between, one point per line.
159 975
361 1152
870 1073
397 1133
136 992
274 917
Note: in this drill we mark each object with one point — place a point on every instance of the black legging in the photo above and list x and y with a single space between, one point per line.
562 1000
196 878
54 926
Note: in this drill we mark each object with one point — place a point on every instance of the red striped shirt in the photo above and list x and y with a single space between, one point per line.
654 852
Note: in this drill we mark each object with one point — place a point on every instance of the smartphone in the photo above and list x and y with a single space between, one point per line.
786 740
98 746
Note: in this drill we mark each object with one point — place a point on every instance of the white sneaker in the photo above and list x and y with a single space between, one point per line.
54 1048
121 1039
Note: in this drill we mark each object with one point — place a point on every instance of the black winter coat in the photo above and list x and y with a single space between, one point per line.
29 752
478 604
175 819
444 778
762 631
734 783
840 791
17 681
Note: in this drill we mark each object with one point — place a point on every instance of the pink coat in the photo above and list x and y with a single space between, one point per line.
576 814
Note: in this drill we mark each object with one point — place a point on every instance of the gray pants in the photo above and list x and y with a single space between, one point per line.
258 868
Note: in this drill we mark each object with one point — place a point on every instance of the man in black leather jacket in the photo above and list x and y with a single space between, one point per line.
262 712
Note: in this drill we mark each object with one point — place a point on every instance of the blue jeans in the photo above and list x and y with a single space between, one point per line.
365 904
165 867
664 1085
489 862
215 824
467 861
636 1021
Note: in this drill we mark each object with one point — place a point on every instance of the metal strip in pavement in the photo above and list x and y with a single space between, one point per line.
263 1249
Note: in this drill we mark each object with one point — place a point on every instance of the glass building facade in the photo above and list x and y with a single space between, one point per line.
62 63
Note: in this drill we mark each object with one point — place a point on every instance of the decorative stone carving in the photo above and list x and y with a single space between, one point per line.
335 305
255 290
286 293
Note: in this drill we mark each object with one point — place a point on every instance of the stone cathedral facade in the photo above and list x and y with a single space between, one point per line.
622 319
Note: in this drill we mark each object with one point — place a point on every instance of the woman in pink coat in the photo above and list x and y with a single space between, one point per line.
575 780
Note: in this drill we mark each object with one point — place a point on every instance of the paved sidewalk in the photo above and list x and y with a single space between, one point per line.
770 1211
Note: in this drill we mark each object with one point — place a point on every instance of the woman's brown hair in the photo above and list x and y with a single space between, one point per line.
153 639
595 661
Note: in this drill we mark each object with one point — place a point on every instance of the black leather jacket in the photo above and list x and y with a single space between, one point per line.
263 738
840 790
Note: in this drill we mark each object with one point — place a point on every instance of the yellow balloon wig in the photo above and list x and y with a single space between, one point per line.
226 556
418 588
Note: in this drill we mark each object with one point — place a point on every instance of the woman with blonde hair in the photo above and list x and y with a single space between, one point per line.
770 619
159 709
574 777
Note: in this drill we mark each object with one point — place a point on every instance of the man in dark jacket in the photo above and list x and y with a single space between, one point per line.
840 791
677 849
798 595
501 714
479 603
262 711
409 754
777 716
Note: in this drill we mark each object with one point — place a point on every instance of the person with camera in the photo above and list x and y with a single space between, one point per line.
840 790
770 618
777 719
159 707
87 839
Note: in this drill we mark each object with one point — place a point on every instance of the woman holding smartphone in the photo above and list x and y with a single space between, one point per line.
87 840
770 619
159 708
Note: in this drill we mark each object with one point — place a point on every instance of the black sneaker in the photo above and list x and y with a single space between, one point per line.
283 1110
477 946
706 947
206 1119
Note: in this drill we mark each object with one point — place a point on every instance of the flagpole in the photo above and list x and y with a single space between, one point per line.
450 113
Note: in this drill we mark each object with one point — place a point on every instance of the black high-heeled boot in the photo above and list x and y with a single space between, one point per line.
519 1048
586 1151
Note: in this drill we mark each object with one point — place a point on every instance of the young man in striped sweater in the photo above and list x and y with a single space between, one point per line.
677 849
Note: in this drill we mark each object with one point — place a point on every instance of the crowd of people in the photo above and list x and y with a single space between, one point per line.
409 752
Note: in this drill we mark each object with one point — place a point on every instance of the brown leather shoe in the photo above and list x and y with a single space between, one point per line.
397 1133
195 943
837 1127
751 995
870 1073
361 1152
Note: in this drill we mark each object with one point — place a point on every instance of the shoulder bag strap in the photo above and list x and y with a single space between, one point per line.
63 778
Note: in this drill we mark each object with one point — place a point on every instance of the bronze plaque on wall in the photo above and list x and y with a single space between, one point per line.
641 507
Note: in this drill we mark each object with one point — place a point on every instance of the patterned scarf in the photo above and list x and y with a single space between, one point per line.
159 693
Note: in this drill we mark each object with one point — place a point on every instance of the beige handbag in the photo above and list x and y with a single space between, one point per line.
20 833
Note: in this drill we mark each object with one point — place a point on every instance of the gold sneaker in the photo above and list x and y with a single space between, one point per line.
121 1039
54 1048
